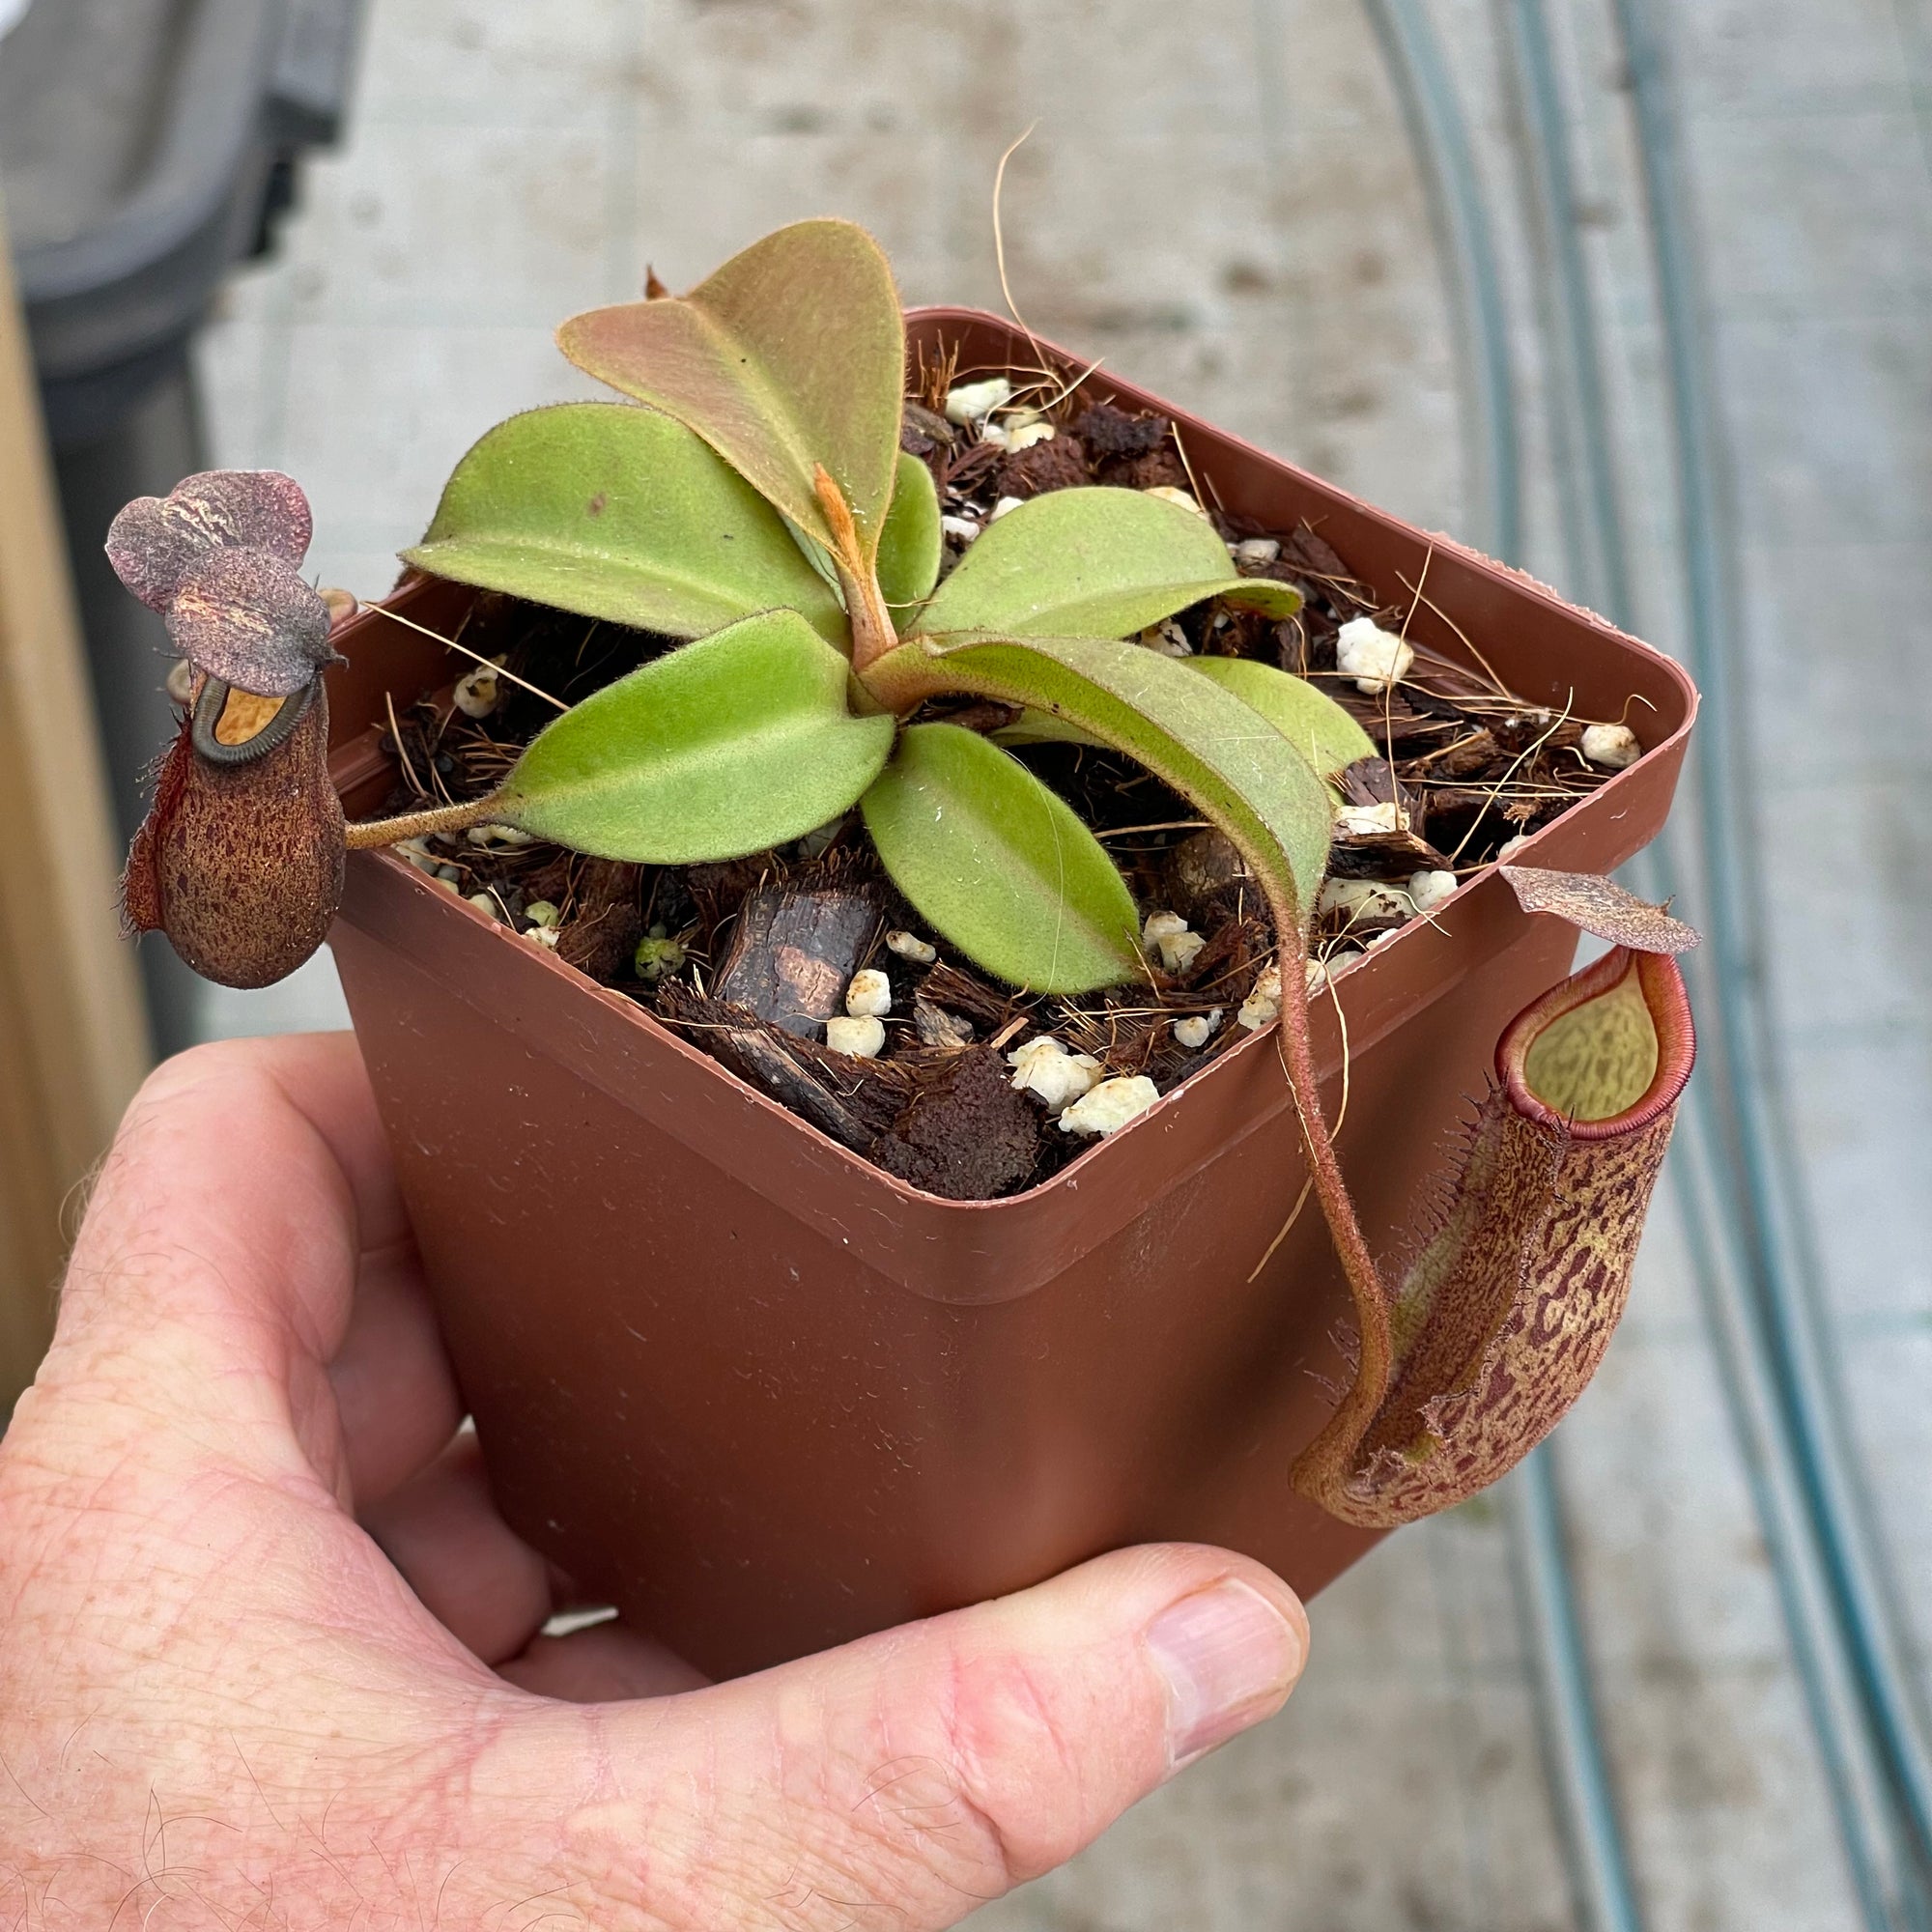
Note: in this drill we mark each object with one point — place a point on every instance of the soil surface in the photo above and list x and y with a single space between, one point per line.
748 958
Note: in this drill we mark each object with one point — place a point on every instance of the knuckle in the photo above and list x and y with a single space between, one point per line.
954 1774
950 1783
968 1778
1020 1769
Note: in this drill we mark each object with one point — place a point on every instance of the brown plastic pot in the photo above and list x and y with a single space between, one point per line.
766 1398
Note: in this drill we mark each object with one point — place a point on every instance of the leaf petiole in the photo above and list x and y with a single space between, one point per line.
872 631
372 833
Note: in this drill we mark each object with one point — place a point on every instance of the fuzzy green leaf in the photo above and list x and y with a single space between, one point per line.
1307 717
1311 720
725 747
1043 728
1215 751
619 513
791 355
910 549
1092 563
1000 865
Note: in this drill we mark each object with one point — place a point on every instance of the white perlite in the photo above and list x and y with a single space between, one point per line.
1110 1105
1510 847
1045 1069
475 692
1429 890
486 902
1254 552
864 1037
1024 436
484 837
1005 507
870 996
1197 1030
909 946
1365 899
974 402
1168 493
1166 935
1614 747
1364 821
1263 1007
962 529
541 911
1375 657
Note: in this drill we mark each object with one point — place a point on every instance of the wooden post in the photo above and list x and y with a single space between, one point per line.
73 1040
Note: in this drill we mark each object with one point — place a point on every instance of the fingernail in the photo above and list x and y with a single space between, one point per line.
1229 1656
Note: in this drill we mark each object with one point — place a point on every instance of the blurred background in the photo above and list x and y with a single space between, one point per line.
1632 292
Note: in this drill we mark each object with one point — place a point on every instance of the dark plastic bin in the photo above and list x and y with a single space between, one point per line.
147 146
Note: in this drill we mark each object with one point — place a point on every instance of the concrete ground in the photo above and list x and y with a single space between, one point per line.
1220 198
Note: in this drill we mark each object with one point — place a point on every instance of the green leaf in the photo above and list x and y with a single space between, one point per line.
1095 563
909 551
727 745
1311 720
1317 728
619 513
1211 747
1041 727
791 355
1000 865
1308 718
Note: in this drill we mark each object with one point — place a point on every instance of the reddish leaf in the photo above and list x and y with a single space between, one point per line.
788 360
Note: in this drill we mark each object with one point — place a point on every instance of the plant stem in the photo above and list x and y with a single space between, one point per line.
1365 1282
375 832
872 631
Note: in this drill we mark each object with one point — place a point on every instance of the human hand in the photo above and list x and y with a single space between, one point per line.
268 1657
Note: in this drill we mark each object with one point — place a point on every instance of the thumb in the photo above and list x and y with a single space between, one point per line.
920 1773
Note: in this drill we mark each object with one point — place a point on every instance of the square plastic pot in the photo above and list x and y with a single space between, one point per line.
766 1398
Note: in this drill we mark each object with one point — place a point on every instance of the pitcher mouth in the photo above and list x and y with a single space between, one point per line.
281 721
1662 1002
